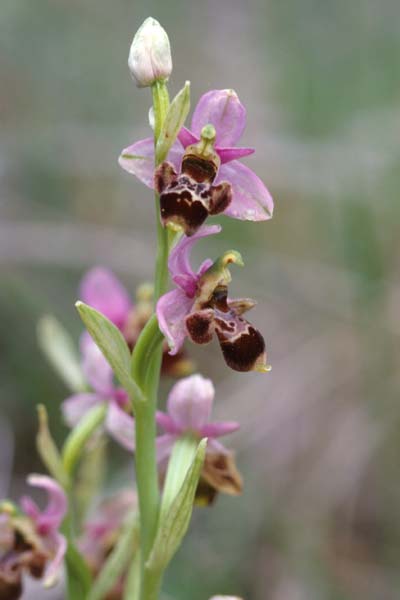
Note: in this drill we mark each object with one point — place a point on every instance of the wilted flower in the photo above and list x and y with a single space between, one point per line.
102 290
212 178
99 375
150 54
199 306
189 407
30 540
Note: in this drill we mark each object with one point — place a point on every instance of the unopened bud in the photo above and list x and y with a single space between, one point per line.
150 54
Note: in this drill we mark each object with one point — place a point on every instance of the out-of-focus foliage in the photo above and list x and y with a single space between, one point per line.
319 444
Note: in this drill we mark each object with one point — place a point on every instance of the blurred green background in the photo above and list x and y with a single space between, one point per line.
319 445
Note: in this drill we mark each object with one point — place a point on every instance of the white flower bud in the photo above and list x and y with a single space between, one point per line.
150 54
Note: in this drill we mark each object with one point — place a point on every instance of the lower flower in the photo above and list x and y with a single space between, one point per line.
30 541
189 408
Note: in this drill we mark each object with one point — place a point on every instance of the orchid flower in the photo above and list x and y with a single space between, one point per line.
99 375
189 407
102 290
199 307
212 178
30 541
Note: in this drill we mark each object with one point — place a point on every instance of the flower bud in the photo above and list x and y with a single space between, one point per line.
150 54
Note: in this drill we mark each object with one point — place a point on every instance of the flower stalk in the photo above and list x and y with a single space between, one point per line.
149 354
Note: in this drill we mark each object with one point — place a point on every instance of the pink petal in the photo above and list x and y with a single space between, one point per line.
213 446
179 259
187 138
138 159
171 310
223 109
121 426
75 407
30 507
167 423
229 154
251 200
103 291
190 402
97 370
218 429
164 445
51 517
53 569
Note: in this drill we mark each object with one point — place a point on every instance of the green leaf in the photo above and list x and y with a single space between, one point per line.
48 450
79 579
117 562
59 348
90 476
176 116
79 436
182 457
174 522
112 344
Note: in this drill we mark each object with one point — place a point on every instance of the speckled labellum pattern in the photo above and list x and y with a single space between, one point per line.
242 345
186 199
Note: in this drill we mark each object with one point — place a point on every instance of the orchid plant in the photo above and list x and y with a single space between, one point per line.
122 549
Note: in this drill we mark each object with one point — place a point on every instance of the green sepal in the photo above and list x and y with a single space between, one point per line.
174 521
181 458
113 346
58 346
48 450
177 112
80 435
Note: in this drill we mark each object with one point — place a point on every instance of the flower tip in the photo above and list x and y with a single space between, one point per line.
263 368
232 256
208 133
150 54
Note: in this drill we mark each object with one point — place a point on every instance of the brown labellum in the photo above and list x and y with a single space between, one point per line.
244 351
219 474
187 198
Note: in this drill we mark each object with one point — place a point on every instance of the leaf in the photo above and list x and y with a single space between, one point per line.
113 346
80 435
59 348
182 456
174 121
48 450
175 521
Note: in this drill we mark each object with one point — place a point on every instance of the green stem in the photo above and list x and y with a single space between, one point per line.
146 365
